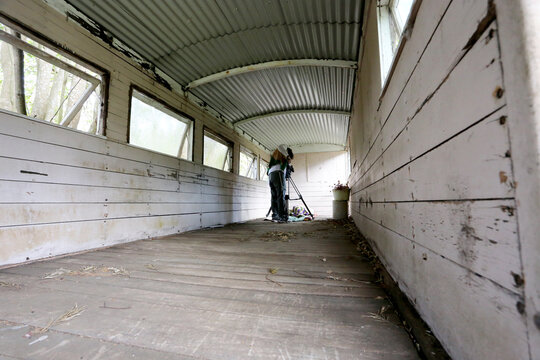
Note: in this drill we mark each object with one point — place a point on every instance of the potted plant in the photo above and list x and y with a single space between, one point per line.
341 191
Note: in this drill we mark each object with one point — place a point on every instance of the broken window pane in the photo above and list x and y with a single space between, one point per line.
39 82
217 152
248 163
153 126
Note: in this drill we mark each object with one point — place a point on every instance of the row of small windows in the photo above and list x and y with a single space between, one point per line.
53 86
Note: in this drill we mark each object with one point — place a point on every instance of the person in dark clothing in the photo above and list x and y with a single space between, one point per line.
276 173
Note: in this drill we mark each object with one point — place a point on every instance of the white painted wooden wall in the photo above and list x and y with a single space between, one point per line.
434 188
315 174
63 191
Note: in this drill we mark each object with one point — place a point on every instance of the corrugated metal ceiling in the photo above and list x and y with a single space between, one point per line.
311 128
272 90
190 39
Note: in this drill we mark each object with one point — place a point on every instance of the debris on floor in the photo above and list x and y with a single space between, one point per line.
298 213
338 278
90 270
382 314
105 306
279 236
272 271
151 266
68 315
299 218
10 285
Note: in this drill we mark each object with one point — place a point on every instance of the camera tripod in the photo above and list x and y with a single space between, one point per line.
290 182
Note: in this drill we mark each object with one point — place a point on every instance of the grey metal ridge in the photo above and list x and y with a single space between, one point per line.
271 65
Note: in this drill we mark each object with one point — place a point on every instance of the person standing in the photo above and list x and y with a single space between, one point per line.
276 173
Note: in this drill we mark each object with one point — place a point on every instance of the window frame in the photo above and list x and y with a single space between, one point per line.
169 108
261 161
58 48
221 139
255 162
386 13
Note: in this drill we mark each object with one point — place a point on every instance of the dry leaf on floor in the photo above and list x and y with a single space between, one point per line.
273 270
151 266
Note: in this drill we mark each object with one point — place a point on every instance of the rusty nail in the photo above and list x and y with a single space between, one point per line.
502 120
498 93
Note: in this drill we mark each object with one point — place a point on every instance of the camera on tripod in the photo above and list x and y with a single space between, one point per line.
290 170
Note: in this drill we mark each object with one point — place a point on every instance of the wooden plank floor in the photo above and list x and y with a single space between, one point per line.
205 294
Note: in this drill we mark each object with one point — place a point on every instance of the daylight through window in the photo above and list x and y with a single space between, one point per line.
218 152
392 16
39 82
155 127
262 170
248 163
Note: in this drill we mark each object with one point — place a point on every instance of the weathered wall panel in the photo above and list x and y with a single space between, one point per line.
63 191
519 26
433 180
72 191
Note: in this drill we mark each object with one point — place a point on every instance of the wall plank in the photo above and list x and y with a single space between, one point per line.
433 178
473 234
64 191
477 313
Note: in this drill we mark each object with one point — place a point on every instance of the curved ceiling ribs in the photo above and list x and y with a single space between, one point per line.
290 112
304 56
270 65
300 128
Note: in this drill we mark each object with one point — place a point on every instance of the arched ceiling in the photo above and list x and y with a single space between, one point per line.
263 59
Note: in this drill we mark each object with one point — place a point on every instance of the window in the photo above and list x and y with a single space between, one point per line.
153 126
42 83
248 163
393 15
218 151
262 170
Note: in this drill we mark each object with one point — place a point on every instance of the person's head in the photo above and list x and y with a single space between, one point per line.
290 153
286 151
277 155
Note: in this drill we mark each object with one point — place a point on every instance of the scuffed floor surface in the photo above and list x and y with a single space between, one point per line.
238 292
